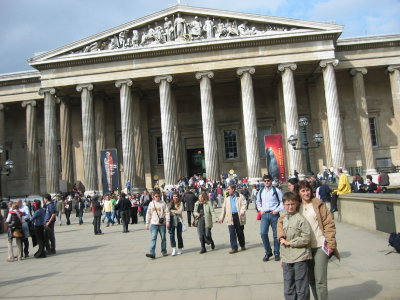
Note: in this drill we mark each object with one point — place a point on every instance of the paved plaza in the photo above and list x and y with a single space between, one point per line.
114 266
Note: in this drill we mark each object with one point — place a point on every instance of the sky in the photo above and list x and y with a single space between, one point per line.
33 26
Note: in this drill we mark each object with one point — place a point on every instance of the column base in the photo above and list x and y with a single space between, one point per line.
254 180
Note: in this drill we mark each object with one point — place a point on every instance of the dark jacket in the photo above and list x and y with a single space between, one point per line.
325 193
97 209
79 209
189 199
123 204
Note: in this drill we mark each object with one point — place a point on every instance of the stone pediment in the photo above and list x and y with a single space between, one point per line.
182 26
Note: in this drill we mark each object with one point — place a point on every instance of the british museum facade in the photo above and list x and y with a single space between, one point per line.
192 90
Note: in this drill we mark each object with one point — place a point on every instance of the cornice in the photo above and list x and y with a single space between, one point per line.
368 42
19 78
110 56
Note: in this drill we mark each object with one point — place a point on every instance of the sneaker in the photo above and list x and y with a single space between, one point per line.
267 256
233 251
150 255
173 252
179 252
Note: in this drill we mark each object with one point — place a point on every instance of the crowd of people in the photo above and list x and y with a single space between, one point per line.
301 220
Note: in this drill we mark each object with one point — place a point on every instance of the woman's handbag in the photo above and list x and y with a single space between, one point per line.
184 227
195 222
17 233
258 215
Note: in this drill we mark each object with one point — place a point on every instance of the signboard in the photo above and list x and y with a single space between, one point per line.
109 170
275 156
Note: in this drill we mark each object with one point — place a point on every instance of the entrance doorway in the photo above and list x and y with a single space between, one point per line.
196 162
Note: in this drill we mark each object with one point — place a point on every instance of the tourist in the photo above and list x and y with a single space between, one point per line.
14 221
371 186
246 194
134 209
49 220
175 210
157 219
22 207
357 185
60 208
234 210
189 199
108 208
292 185
269 202
294 234
68 209
38 225
254 192
145 200
79 208
124 206
97 209
205 215
324 193
323 230
343 188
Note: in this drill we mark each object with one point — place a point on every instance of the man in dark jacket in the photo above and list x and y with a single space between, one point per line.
97 209
68 209
124 206
189 200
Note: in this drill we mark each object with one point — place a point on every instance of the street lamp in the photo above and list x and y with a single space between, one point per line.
317 138
4 169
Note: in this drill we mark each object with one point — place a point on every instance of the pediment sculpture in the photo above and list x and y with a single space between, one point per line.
182 29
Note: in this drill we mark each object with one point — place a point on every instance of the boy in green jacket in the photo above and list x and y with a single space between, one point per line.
294 234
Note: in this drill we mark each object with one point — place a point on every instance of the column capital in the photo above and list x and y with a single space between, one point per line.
283 67
43 91
325 62
26 103
393 68
158 79
200 75
241 71
80 87
121 82
354 71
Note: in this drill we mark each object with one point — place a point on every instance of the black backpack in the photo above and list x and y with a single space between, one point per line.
394 241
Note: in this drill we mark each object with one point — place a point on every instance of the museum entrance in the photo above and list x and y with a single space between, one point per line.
196 162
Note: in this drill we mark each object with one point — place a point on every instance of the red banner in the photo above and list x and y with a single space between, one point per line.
275 156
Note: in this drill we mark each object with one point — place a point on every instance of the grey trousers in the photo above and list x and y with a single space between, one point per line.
296 281
318 267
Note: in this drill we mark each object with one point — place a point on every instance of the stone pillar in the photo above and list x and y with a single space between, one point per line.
67 172
209 132
333 113
167 128
3 191
362 112
89 143
50 141
99 127
291 115
137 142
32 147
128 149
180 170
394 74
250 124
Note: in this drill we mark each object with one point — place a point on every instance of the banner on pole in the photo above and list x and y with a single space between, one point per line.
109 170
275 156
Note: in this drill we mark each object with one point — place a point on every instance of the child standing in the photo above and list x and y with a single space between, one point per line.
294 234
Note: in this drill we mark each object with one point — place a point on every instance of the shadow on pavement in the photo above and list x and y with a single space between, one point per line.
73 250
24 279
345 254
366 290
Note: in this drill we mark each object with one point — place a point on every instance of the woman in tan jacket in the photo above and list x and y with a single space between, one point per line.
322 235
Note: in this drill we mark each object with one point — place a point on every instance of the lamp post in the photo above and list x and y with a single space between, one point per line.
317 138
4 169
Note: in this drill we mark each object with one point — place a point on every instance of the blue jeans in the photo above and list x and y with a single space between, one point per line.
268 219
154 230
109 219
179 235
145 213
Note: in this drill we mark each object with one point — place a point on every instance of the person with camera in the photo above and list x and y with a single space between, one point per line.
157 220
14 221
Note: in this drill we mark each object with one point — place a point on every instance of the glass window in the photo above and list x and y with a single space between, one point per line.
230 141
160 157
372 128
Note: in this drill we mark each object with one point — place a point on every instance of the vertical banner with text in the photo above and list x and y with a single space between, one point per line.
109 170
275 156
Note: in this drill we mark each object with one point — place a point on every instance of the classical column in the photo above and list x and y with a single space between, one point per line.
333 113
177 138
2 143
32 147
67 172
128 148
291 115
50 141
167 128
394 74
209 132
362 112
99 128
137 142
89 143
250 124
